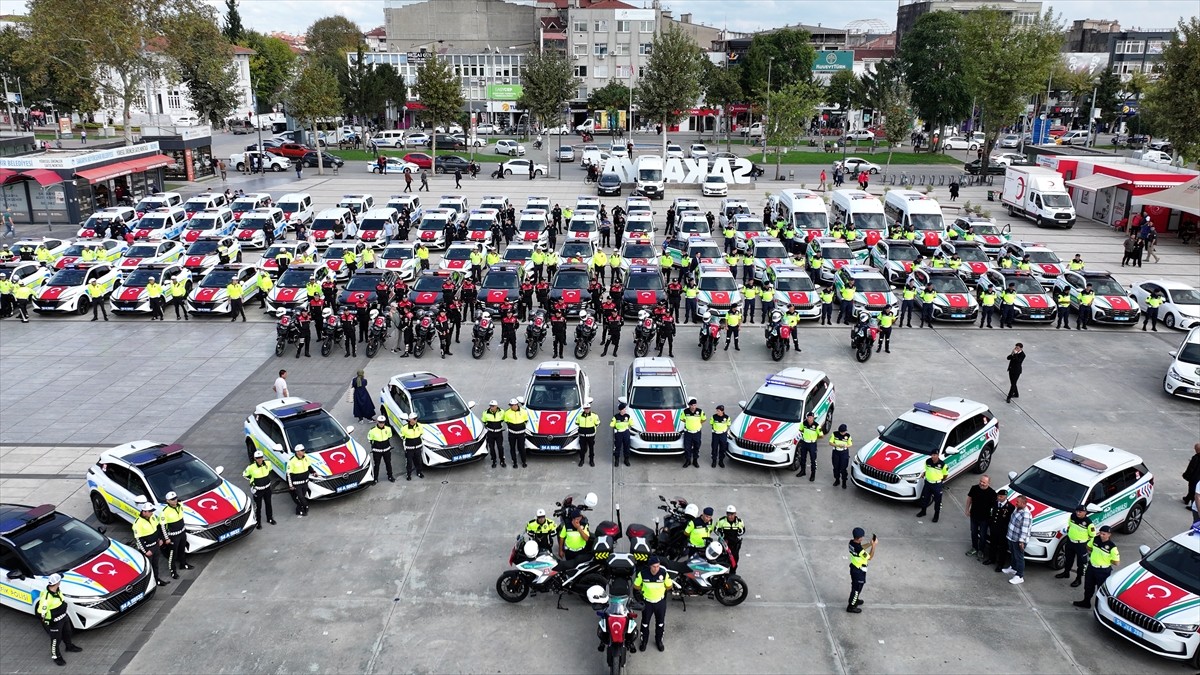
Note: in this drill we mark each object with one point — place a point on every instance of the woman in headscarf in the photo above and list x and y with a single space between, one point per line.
364 407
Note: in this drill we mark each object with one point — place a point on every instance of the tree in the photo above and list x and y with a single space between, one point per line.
233 29
670 82
784 57
362 96
313 95
47 83
329 40
895 104
440 92
844 90
877 85
270 68
203 60
1176 94
391 85
932 55
722 88
1135 87
792 106
1108 97
547 84
613 95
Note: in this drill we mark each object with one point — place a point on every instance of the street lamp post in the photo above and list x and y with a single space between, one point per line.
1092 115
770 63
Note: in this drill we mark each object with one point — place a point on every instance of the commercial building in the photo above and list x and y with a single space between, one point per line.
608 40
1023 12
1134 51
163 96
467 26
1107 188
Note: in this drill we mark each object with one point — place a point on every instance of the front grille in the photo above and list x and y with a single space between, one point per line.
877 474
721 308
547 439
1134 617
661 438
126 304
1062 216
753 446
332 483
1127 314
234 524
113 602
452 451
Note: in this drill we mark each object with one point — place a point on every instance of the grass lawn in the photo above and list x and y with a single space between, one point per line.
828 158
367 156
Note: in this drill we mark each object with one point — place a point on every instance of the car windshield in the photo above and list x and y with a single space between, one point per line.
637 207
429 283
644 282
396 253
323 224
149 205
639 225
242 206
704 252
142 251
520 255
481 224
253 222
715 179
810 221
717 282
139 278
201 222
1106 286
196 206
1026 285
582 225
576 279
500 280
531 224
926 221
67 278
217 279
553 394
694 226
373 224
913 437
453 206
428 224
610 179
1043 257
100 220
837 253
775 407
769 251
184 474
363 282
1185 296
748 225
58 545
316 431
971 254
289 207
647 397
985 228
457 253
1050 489
439 404
295 278
947 283
152 222
875 221
638 251
650 175
902 253
1056 201
871 285
796 283
1176 563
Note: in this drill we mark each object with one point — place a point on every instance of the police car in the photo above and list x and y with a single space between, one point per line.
704 249
577 252
326 224
585 226
717 289
1183 375
210 295
767 252
965 432
480 223
99 223
28 274
638 227
554 400
431 231
894 259
277 427
457 205
66 291
401 258
500 284
208 200
267 263
158 200
570 287
1155 602
1115 486
871 291
643 289
952 299
291 290
794 287
1044 264
638 204
426 291
746 228
685 205
102 579
357 204
217 221
450 433
131 296
655 396
165 223
499 203
296 207
203 254
692 224
248 203
26 249
990 235
249 230
1033 303
457 259
534 202
835 254
377 226
215 511
531 227
1181 303
362 287
1113 304
638 253
767 430
587 204
409 201
731 207
150 252
335 257
974 260
106 250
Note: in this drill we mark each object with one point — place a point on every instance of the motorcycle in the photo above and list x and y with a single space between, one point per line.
287 331
537 570
778 335
708 575
643 334
481 335
423 333
535 332
332 330
617 628
710 334
585 332
377 333
862 337
670 541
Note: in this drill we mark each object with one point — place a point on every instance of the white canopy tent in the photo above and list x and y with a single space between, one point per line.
1184 197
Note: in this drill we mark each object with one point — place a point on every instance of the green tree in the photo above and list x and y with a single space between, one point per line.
792 106
614 95
844 90
670 82
440 92
1135 88
312 96
46 83
203 60
933 59
271 68
233 30
1108 97
1175 98
362 95
391 85
329 40
877 84
722 88
547 84
784 57
895 104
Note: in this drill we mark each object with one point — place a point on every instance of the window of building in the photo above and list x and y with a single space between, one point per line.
600 71
579 49
644 48
601 26
623 26
600 48
1025 18
621 49
581 93
581 26
580 71
647 26
624 72
174 100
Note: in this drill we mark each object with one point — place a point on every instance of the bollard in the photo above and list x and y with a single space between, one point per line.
792 175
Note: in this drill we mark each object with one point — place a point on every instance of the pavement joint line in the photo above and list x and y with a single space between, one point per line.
39 476
10 444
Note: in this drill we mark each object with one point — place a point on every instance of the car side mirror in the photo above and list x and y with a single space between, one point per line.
950 451
1092 508
350 429
218 470
277 447
15 575
1174 353
742 405
879 429
1012 475
1144 550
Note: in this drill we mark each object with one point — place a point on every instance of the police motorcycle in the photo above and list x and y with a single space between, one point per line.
535 332
287 330
585 332
778 335
423 332
643 334
377 332
709 574
863 334
332 329
710 333
481 335
617 628
670 541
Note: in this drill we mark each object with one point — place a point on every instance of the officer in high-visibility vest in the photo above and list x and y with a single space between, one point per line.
599 264
588 423
791 319
380 438
987 306
6 296
841 442
51 608
935 475
178 296
733 323
298 469
720 436
826 295
154 291
860 556
573 537
235 292
1076 264
810 433
620 423
846 310
690 304
95 294
653 582
729 233
1063 301
1008 306
264 289
21 295
886 319
908 300
693 427
172 518
1103 556
1084 317
749 295
493 423
411 433
732 530
541 530
767 300
927 297
699 531
515 422
1152 304
149 537
1080 531
259 475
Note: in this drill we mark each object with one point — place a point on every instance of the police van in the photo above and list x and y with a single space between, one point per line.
921 212
861 209
655 395
805 210
767 430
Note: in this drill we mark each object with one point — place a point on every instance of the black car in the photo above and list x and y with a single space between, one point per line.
266 143
310 159
445 142
362 286
449 163
993 168
570 285
643 289
609 184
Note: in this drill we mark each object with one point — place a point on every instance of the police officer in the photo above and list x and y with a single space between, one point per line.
733 330
588 423
96 295
810 433
886 318
935 474
508 334
259 475
620 425
541 530
515 421
653 582
411 433
674 294
720 436
493 422
558 330
21 295
6 296
149 537
1080 531
444 330
840 441
732 530
1063 300
666 334
51 608
380 438
235 293
693 425
826 294
154 291
846 310
749 295
859 557
178 294
298 469
1008 306
699 531
927 297
172 519
907 302
1152 304
612 332
1084 317
1103 556
987 306
573 537
304 321
349 341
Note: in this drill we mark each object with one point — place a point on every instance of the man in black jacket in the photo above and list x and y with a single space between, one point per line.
1015 361
1192 475
998 517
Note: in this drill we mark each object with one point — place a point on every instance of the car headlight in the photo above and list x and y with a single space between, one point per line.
783 447
1099 311
1103 590
913 478
1171 372
1182 627
1042 535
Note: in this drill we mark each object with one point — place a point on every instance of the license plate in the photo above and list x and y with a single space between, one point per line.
752 455
232 533
344 488
1037 316
552 447
1191 391
958 316
1122 318
1127 628
131 602
874 483
462 457
659 446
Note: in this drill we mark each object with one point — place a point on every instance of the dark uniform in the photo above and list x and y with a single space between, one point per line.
612 332
508 334
1103 556
172 519
998 517
732 530
666 334
558 329
693 425
51 608
515 421
349 318
588 423
840 441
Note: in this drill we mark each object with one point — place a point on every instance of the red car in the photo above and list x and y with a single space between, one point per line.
290 150
420 159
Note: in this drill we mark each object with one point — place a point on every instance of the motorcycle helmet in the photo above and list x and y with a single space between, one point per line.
281 312
597 595
374 313
692 511
713 551
327 312
530 549
864 317
487 315
776 316
590 500
642 314
704 314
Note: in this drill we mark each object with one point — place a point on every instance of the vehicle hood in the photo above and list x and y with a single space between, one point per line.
653 421
1153 595
106 573
452 432
762 430
338 460
1117 302
553 422
215 506
887 457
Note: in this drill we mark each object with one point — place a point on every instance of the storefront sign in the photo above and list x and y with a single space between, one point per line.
831 61
53 161
690 171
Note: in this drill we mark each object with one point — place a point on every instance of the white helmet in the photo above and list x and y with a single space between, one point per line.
531 549
864 317
487 315
374 313
327 312
281 312
692 510
703 314
714 550
597 595
643 314
591 500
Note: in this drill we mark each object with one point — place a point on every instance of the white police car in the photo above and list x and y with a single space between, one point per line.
102 579
277 427
211 296
1114 485
554 399
165 223
655 398
765 433
144 252
249 230
965 432
401 258
205 253
66 291
131 296
29 274
215 511
451 433
208 222
1183 375
431 231
794 287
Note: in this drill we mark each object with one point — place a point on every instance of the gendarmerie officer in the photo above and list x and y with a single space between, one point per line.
259 475
859 557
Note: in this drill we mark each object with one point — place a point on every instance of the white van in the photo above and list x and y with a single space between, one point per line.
863 210
922 212
805 209
650 178
391 138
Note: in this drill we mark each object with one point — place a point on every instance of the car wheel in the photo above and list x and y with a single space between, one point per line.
1059 559
83 306
1133 520
874 171
241 166
508 172
985 459
537 173
1169 320
100 508
278 168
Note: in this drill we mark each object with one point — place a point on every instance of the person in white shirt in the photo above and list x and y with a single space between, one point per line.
281 388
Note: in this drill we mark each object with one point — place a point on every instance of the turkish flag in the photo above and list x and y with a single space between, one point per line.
130 293
991 240
192 235
245 234
497 296
720 297
53 292
907 264
1050 269
393 263
659 421
571 295
455 264
579 235
321 234
338 460
957 300
1118 301
129 262
797 297
873 237
87 233
334 265
1152 594
269 264
65 262
646 297
368 235
977 267
759 430
108 571
529 236
357 296
888 457
773 261
428 235
140 234
1037 301
286 294
839 264
476 235
206 294
875 298
932 239
1035 507
212 507
193 261
455 433
426 298
552 423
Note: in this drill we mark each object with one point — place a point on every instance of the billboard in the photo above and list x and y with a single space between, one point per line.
504 92
831 61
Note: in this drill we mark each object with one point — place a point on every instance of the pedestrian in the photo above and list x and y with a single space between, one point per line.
260 476
1016 360
860 556
280 387
407 180
980 499
954 190
299 467
380 438
299 169
424 181
1127 247
653 582
841 442
1139 247
412 432
1018 535
588 423
1151 243
1192 475
83 136
1103 556
149 537
720 423
172 519
693 425
823 180
620 423
999 514
515 421
810 433
1080 531
364 407
9 223
458 179
935 474
51 608
223 168
1152 304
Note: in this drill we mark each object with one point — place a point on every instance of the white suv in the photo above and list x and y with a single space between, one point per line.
766 431
1183 376
655 396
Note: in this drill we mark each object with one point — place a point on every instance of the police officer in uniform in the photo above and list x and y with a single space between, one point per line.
907 302
573 538
588 423
508 334
810 433
51 608
1103 556
1063 300
380 438
149 537
1084 317
666 334
935 475
558 329
21 294
859 557
1080 531
154 291
541 530
653 582
235 293
612 326
298 469
720 436
620 425
987 306
840 441
732 530
178 294
172 519
998 517
1152 304
259 475
826 295
699 531
886 319
96 295
411 433
1008 306
515 420
927 297
493 421
693 425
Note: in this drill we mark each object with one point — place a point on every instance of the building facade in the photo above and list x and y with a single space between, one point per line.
467 26
163 102
1023 12
609 41
1135 51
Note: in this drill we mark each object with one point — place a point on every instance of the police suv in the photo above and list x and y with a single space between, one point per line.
768 428
554 400
655 396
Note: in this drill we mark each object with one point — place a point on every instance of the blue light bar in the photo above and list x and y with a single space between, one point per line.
655 370
154 454
30 517
424 382
554 372
784 381
294 410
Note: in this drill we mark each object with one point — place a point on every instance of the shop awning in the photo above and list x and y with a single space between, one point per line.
1096 181
8 176
151 162
43 177
1183 197
103 173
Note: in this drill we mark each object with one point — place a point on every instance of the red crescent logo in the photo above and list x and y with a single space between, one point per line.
1020 187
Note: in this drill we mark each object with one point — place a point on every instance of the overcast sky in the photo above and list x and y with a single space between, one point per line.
741 15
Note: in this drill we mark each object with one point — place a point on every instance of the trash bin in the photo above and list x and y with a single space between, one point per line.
991 195
792 175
